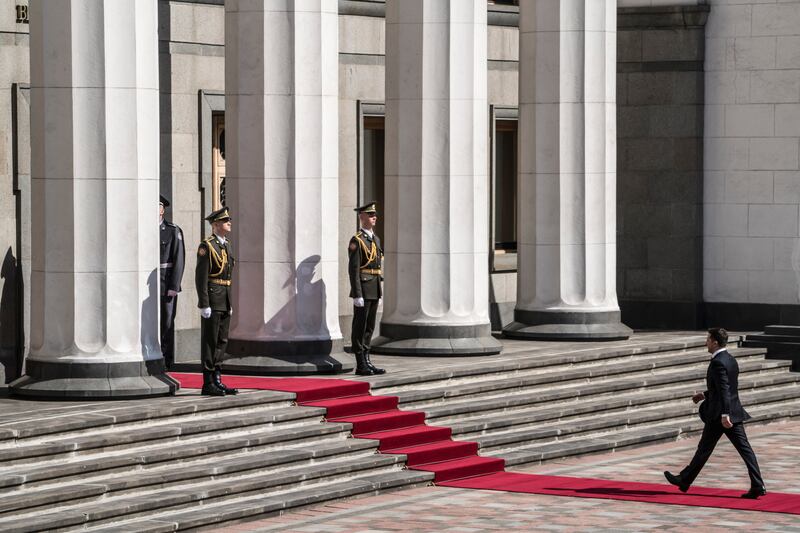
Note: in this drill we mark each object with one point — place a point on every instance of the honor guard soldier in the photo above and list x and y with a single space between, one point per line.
213 278
364 267
170 272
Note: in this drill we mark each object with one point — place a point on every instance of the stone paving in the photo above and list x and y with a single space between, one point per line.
463 510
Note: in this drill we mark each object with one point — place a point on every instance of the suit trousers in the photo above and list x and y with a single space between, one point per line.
169 304
711 435
214 339
363 326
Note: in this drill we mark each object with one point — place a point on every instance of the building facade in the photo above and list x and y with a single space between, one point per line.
679 205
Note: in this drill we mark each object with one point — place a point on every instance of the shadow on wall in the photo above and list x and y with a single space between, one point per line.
11 336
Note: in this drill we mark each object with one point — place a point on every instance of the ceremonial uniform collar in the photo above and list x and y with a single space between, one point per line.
368 233
221 240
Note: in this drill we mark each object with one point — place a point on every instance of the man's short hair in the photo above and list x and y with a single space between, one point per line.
720 335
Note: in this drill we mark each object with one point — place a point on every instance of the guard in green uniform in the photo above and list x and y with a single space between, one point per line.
213 277
364 267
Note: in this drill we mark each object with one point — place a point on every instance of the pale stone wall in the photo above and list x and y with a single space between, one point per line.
14 195
752 160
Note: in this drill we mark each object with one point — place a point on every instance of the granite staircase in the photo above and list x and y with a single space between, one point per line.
190 462
781 342
179 463
595 400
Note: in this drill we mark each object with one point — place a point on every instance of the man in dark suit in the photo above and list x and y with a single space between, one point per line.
172 254
364 268
722 413
213 278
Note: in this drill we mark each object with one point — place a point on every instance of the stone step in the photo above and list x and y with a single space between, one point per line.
58 447
143 482
178 499
790 331
504 365
613 376
616 440
153 459
614 421
265 505
63 420
582 398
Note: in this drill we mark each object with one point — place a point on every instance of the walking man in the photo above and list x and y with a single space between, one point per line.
170 272
213 277
364 267
722 413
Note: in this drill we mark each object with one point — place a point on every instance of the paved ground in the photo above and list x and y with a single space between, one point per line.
461 510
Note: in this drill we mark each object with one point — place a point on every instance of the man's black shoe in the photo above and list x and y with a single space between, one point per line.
754 493
212 390
366 371
375 369
676 480
220 385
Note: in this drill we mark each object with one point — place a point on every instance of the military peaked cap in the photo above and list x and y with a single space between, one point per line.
163 201
367 208
219 214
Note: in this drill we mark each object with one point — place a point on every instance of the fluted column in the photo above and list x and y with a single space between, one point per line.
566 286
94 181
436 288
281 100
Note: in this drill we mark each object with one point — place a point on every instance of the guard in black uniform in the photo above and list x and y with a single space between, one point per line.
170 272
364 267
213 277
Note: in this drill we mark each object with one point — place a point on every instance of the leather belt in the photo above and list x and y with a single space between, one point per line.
225 282
375 271
166 265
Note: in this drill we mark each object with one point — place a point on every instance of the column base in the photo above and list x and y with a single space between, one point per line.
133 379
409 339
295 358
567 326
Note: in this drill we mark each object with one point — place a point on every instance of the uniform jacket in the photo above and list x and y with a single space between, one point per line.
365 255
172 257
722 396
214 261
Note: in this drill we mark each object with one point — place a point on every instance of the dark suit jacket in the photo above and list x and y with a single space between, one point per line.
362 284
172 257
722 396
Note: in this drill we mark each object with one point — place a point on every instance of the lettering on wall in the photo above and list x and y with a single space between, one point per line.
22 14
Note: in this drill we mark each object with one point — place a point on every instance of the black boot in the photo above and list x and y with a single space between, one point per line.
218 382
209 387
375 369
362 368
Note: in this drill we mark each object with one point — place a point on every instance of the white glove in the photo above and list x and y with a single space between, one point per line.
358 302
172 293
230 311
205 312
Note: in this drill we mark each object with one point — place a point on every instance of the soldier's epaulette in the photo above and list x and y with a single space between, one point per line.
170 224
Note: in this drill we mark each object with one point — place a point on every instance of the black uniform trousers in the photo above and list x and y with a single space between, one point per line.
169 304
214 339
363 326
711 435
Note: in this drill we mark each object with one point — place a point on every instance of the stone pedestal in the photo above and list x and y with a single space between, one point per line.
566 285
281 113
94 181
436 246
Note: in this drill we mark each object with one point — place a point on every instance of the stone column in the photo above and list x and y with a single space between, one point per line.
281 113
94 181
566 286
436 288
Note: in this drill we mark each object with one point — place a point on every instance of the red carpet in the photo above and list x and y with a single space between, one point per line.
457 463
773 502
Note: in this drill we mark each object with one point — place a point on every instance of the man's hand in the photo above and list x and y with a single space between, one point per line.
205 312
698 397
172 293
358 302
726 421
230 311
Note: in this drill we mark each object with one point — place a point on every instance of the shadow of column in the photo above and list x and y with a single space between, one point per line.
10 317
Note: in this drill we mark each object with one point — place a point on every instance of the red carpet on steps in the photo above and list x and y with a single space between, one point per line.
378 418
457 463
773 502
